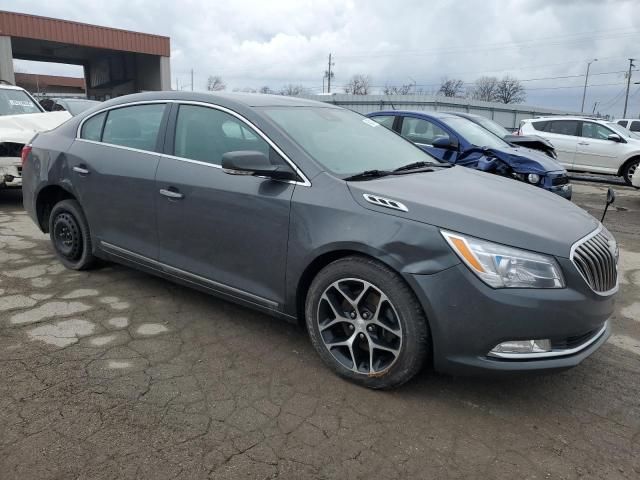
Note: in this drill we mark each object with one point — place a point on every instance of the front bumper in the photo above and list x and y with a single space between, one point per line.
564 191
10 172
468 318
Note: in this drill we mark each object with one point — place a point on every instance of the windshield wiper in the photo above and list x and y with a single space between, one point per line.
368 174
413 166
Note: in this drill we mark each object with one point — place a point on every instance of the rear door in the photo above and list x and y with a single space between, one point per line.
594 152
563 134
226 232
113 166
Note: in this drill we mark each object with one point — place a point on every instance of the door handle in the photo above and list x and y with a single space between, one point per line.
81 170
583 143
171 194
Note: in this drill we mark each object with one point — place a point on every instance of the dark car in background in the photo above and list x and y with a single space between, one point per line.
311 212
74 106
460 141
534 142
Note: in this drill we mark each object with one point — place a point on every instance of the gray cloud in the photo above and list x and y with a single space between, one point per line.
252 43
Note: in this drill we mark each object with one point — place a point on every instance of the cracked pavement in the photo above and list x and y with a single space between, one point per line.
116 374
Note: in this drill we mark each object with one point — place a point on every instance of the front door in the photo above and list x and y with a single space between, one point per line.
423 133
226 231
113 166
595 152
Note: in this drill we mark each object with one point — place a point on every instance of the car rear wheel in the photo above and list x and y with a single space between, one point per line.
366 324
629 169
69 232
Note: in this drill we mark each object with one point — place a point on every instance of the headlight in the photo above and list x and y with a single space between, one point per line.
500 266
533 178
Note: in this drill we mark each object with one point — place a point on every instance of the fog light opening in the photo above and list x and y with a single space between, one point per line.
521 347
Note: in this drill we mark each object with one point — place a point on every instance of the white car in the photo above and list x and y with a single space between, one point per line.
632 124
21 117
635 181
589 145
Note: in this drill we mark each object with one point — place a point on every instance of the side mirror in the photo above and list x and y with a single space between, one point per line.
248 162
446 143
611 196
614 137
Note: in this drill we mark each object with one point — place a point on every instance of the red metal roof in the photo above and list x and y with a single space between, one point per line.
64 31
49 80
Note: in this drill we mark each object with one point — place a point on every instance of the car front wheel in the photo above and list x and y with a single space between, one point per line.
69 232
366 323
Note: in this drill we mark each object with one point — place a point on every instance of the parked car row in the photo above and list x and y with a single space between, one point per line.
391 255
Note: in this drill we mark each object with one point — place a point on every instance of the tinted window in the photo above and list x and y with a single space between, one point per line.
92 128
385 120
134 127
563 127
421 131
539 125
622 122
206 134
595 130
635 126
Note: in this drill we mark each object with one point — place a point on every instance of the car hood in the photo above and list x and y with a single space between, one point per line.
521 159
485 206
22 128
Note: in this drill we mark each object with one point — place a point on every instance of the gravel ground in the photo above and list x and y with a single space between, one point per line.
114 374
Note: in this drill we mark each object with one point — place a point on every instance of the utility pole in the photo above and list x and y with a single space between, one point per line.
586 79
626 98
192 79
329 74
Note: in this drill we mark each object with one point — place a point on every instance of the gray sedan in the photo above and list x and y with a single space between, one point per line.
314 213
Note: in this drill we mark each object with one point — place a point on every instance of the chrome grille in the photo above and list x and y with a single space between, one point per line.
595 259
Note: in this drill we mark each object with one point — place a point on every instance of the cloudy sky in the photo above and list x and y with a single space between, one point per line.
251 43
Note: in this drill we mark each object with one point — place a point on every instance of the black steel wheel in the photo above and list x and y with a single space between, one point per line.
69 232
366 323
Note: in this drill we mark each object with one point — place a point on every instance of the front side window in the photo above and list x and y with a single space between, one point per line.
474 133
622 122
136 126
421 131
206 134
563 127
343 141
635 126
595 130
385 120
17 102
92 128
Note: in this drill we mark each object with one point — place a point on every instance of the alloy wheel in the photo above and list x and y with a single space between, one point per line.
359 326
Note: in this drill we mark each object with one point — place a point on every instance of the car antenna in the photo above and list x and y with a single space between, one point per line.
611 197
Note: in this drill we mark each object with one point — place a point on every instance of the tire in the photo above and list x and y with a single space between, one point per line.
629 169
70 236
387 315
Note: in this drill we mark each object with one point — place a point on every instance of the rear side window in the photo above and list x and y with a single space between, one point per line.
205 134
134 127
385 120
539 125
563 127
623 123
635 126
92 128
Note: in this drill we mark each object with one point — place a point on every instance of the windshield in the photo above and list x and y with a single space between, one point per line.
345 142
474 133
16 102
625 132
493 127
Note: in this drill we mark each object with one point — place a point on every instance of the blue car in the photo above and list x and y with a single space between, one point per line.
460 141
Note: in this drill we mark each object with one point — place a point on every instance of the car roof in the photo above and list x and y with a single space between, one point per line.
417 112
558 117
230 100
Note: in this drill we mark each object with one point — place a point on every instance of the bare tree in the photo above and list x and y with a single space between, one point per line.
401 90
510 90
292 90
358 85
265 89
485 89
451 88
215 83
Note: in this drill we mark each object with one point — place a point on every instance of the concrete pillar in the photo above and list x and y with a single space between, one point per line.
6 60
165 73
